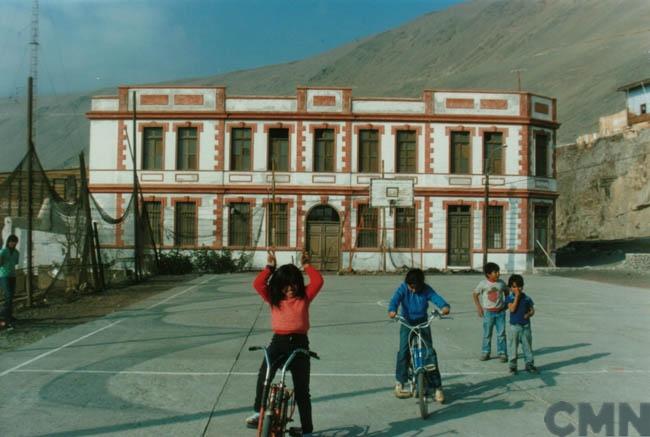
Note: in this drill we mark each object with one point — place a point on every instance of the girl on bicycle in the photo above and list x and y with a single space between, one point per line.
288 297
413 295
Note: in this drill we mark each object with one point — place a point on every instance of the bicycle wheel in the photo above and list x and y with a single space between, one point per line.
420 392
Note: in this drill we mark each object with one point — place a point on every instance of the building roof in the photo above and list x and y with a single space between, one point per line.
636 84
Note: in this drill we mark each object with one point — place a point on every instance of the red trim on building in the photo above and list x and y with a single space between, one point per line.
219 145
154 99
522 226
524 151
188 99
323 100
217 222
300 217
500 104
541 108
347 148
459 103
121 145
428 149
524 105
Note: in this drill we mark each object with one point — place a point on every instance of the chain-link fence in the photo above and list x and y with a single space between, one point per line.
76 244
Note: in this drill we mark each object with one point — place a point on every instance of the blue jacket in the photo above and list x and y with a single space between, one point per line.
415 305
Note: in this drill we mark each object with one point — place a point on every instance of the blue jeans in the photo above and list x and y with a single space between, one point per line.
493 319
8 286
403 356
521 334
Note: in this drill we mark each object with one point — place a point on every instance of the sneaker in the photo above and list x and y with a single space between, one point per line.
484 357
440 396
253 420
530 368
503 358
513 370
401 392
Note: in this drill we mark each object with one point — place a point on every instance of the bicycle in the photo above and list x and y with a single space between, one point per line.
419 352
278 403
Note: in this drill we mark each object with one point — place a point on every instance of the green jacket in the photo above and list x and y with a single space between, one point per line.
8 261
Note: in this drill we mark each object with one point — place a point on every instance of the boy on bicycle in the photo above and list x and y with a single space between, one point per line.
414 295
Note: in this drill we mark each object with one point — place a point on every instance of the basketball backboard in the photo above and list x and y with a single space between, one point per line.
391 192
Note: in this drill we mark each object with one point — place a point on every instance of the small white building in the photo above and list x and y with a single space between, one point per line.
637 96
207 162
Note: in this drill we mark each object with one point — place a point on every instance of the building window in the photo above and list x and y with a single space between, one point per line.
324 150
154 215
493 151
643 108
185 224
277 225
278 150
460 153
60 185
152 148
406 152
240 149
368 151
541 155
495 227
239 225
186 156
367 226
405 236
70 191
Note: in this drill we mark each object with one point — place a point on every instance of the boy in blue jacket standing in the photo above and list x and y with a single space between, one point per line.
414 295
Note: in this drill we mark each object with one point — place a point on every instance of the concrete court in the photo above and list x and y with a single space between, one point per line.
178 365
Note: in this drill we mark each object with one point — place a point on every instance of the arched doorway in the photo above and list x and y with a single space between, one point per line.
323 237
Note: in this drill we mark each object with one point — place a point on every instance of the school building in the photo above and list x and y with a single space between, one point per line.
252 172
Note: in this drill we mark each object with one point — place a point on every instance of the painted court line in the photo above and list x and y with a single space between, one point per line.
333 375
83 337
50 352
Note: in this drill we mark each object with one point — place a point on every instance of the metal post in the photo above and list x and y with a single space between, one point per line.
99 257
486 195
85 196
30 182
136 209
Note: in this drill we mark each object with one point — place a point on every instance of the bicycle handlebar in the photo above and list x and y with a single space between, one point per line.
435 314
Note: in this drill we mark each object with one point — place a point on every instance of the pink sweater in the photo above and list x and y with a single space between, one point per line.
292 317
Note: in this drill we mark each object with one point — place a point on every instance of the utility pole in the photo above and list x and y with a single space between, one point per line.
30 190
136 209
486 196
33 67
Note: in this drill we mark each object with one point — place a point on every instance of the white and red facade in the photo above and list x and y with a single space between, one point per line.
521 118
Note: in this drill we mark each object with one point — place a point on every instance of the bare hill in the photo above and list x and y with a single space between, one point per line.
576 50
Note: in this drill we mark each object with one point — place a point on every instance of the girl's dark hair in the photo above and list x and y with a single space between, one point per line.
11 238
490 267
415 278
517 280
284 276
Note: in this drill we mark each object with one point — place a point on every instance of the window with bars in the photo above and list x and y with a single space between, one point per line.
185 224
367 226
368 151
541 155
240 149
406 152
186 153
495 227
324 150
278 155
493 152
152 148
405 228
277 234
239 225
154 215
460 153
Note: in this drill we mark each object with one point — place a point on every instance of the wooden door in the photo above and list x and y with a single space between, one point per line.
458 236
323 245
541 233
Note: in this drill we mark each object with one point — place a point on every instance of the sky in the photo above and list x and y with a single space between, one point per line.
92 44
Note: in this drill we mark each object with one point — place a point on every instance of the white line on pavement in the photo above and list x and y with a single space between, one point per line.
43 355
110 325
